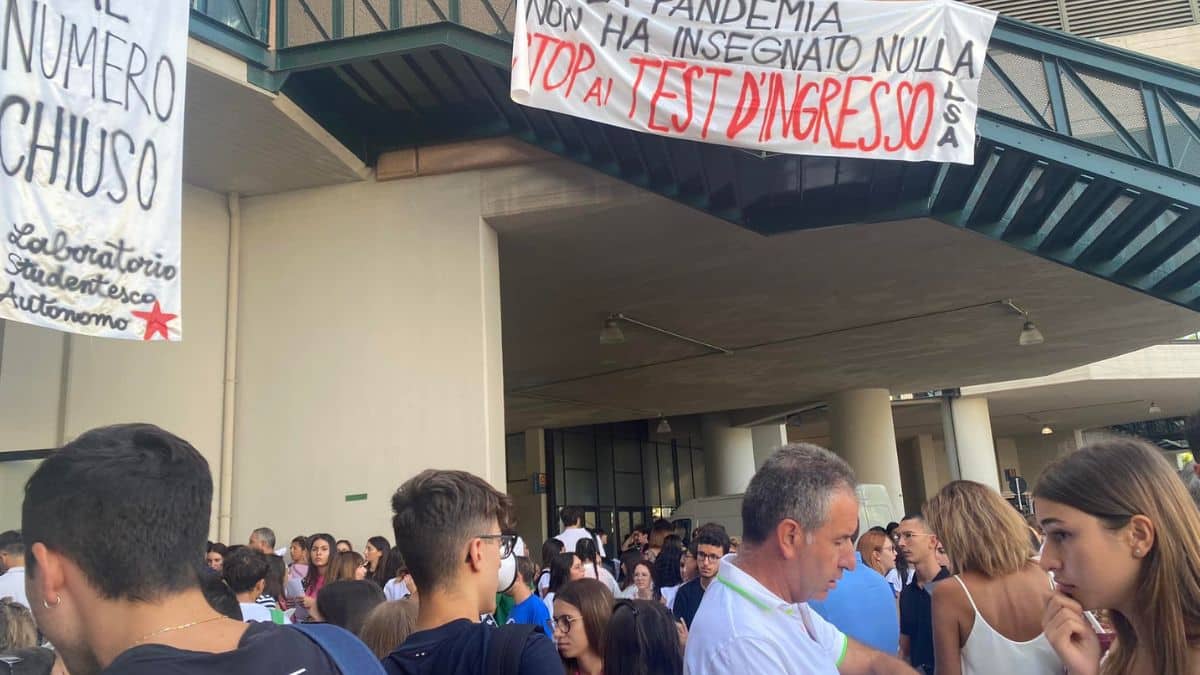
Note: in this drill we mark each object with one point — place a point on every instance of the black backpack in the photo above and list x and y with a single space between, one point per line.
504 651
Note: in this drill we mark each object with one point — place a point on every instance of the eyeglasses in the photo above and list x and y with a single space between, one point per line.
708 557
562 622
507 542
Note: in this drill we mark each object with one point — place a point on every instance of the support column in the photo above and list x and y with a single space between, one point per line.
728 455
862 431
767 439
969 432
532 516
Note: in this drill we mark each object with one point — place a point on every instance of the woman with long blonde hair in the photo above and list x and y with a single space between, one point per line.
989 618
1121 534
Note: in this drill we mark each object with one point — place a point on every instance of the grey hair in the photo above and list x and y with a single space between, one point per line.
265 534
1188 475
797 482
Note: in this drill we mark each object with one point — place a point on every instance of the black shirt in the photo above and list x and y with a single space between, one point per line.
461 647
687 601
916 621
264 648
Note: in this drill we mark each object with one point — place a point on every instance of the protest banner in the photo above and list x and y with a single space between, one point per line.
849 78
91 143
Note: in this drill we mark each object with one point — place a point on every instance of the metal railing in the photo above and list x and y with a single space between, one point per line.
248 17
307 21
1121 102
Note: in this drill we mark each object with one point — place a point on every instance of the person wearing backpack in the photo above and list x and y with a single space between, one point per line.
448 525
110 603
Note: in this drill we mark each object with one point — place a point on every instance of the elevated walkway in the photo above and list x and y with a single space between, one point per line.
1088 155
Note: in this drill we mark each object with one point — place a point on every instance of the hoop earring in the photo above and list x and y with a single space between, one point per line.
57 602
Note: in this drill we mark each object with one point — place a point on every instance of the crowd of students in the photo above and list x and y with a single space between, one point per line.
107 576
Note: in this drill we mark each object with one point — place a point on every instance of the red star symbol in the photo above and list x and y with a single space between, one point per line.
156 321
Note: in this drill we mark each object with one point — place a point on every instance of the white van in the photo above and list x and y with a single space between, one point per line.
874 508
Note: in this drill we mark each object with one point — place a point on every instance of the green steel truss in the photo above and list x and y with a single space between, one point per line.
1088 155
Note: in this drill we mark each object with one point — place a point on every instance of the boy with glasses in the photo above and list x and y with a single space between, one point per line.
448 527
710 544
920 547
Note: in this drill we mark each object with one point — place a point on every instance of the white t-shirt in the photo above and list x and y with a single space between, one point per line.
668 594
742 627
893 578
605 577
543 582
571 536
549 602
12 585
396 589
252 611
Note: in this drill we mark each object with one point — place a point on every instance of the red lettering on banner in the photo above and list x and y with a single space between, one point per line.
659 93
746 110
641 62
594 91
878 118
580 58
717 74
845 112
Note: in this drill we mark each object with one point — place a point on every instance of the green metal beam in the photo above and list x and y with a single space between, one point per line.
212 32
376 45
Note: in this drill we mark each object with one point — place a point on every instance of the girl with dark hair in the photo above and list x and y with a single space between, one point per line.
550 548
321 547
564 568
643 587
667 572
642 639
582 609
272 595
347 603
377 553
586 550
215 556
628 559
401 585
1123 534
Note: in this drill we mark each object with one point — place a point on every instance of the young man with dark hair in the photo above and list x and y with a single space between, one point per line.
245 571
528 608
115 524
12 567
919 545
448 526
710 544
573 529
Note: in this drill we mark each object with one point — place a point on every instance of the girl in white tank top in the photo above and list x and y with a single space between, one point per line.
988 544
987 651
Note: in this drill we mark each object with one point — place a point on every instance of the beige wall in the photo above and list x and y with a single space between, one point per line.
1036 451
369 350
12 489
1181 45
174 385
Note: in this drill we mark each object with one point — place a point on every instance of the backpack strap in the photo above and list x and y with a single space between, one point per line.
506 647
346 651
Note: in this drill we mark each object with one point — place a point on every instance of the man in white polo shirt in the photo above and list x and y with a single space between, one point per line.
799 516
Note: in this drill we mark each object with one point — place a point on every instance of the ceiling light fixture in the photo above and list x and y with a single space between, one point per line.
1154 409
611 333
1046 430
1030 335
664 427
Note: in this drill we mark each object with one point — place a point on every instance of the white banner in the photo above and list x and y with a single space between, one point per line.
848 78
91 144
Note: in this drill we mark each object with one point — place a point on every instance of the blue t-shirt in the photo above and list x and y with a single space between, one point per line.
863 606
533 612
